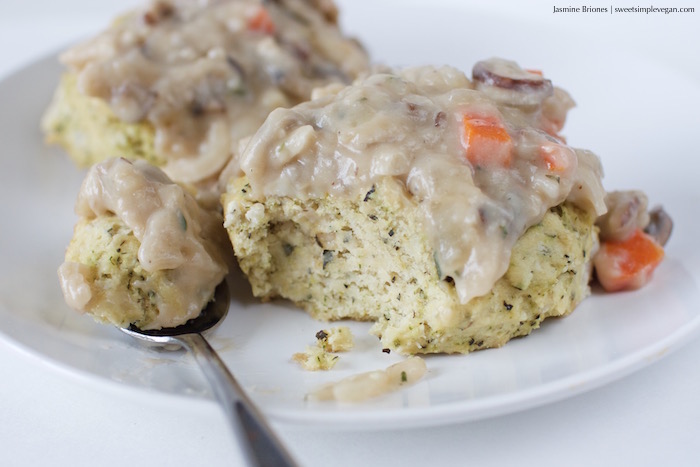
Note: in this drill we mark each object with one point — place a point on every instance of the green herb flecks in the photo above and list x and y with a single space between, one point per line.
181 219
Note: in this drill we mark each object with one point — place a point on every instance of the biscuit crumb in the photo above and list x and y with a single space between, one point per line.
321 356
338 339
315 359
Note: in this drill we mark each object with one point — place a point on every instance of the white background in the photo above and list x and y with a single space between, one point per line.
52 417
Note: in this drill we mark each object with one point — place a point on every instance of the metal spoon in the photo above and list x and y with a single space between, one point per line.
261 445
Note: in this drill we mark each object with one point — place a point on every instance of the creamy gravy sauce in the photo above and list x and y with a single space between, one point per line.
175 233
207 73
412 125
363 386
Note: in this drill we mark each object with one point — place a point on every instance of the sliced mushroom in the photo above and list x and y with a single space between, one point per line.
627 212
507 83
157 12
660 225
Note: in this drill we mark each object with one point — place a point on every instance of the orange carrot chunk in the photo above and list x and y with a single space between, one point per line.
555 157
487 142
629 264
261 22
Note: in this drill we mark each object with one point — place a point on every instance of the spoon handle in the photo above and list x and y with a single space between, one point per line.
261 445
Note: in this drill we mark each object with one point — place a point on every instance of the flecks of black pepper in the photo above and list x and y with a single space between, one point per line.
320 335
369 194
391 232
327 257
507 305
373 217
386 350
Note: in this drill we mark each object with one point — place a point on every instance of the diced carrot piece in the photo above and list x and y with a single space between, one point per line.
629 264
534 72
555 157
487 142
261 21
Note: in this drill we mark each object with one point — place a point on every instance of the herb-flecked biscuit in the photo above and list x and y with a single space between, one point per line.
89 131
369 259
107 250
143 252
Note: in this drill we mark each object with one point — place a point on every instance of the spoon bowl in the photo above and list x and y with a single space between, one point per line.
212 314
261 445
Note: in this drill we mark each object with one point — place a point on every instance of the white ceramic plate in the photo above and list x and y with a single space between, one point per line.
620 117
